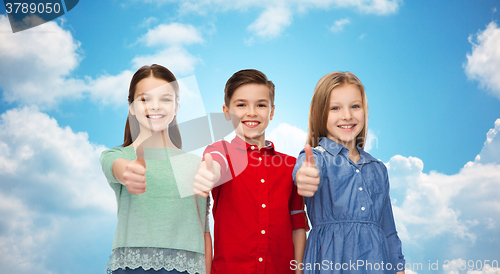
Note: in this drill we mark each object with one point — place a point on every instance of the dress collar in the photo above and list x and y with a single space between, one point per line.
335 148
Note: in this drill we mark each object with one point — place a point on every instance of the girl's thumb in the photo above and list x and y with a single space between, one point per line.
139 151
309 156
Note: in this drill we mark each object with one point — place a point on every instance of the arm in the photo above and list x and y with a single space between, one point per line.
389 227
208 251
299 245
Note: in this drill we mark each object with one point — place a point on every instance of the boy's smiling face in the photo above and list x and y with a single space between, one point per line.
251 104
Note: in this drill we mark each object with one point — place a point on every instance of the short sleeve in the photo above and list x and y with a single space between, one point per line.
218 151
389 227
107 159
298 214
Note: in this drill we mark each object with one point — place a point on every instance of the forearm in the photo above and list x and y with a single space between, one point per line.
118 169
299 245
208 251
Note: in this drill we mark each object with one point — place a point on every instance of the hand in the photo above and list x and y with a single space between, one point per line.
134 175
207 176
307 176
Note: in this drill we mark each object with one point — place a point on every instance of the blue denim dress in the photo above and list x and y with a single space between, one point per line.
353 228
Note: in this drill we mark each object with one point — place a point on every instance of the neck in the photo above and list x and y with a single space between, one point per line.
260 142
150 139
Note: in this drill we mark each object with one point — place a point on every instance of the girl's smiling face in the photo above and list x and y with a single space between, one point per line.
346 117
155 105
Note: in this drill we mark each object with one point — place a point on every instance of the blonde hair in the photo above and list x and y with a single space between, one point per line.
320 105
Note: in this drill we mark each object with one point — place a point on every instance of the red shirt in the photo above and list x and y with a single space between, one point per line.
255 210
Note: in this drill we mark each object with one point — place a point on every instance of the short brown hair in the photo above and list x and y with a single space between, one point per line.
320 105
247 76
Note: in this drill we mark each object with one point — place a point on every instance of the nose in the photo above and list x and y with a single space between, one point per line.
346 114
154 104
251 111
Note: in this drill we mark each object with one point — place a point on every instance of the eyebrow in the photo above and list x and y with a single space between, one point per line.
245 100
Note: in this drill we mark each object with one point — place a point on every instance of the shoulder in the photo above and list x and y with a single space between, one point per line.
117 152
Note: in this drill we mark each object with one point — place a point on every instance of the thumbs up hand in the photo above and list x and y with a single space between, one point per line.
307 176
134 176
207 176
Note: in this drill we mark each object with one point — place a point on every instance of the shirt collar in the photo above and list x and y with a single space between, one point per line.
335 148
242 145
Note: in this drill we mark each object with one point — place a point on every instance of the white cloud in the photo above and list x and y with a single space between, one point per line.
276 15
35 64
174 34
45 158
51 178
491 148
110 89
464 205
288 139
176 59
339 25
271 22
483 64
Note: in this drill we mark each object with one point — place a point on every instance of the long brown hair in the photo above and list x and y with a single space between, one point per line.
158 72
320 105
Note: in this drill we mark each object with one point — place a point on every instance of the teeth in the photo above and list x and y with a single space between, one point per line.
251 123
155 116
346 127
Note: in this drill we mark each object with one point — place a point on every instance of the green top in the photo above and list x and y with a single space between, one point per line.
160 217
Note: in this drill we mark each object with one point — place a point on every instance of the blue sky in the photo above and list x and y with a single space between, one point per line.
431 71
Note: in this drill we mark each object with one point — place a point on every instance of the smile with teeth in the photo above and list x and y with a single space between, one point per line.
155 116
347 126
251 123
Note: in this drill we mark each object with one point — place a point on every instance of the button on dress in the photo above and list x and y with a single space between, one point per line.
351 214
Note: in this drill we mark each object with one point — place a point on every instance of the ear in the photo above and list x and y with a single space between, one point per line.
272 113
225 109
131 109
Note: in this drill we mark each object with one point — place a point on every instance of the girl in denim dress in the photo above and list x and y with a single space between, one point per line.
346 190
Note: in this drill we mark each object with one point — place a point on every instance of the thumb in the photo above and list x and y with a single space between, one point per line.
210 162
139 151
309 156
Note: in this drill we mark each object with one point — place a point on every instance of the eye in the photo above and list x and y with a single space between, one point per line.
356 106
166 100
334 108
240 105
262 105
144 99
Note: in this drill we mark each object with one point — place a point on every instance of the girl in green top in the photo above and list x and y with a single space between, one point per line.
158 230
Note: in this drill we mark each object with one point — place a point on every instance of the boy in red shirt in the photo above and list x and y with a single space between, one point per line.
260 224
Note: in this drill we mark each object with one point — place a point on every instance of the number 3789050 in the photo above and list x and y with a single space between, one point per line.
33 8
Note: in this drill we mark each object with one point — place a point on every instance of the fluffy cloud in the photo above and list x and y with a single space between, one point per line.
288 139
177 59
174 34
483 64
464 205
35 64
339 25
278 14
52 183
271 22
491 148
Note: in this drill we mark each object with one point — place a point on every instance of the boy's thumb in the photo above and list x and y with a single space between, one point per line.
210 162
309 156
